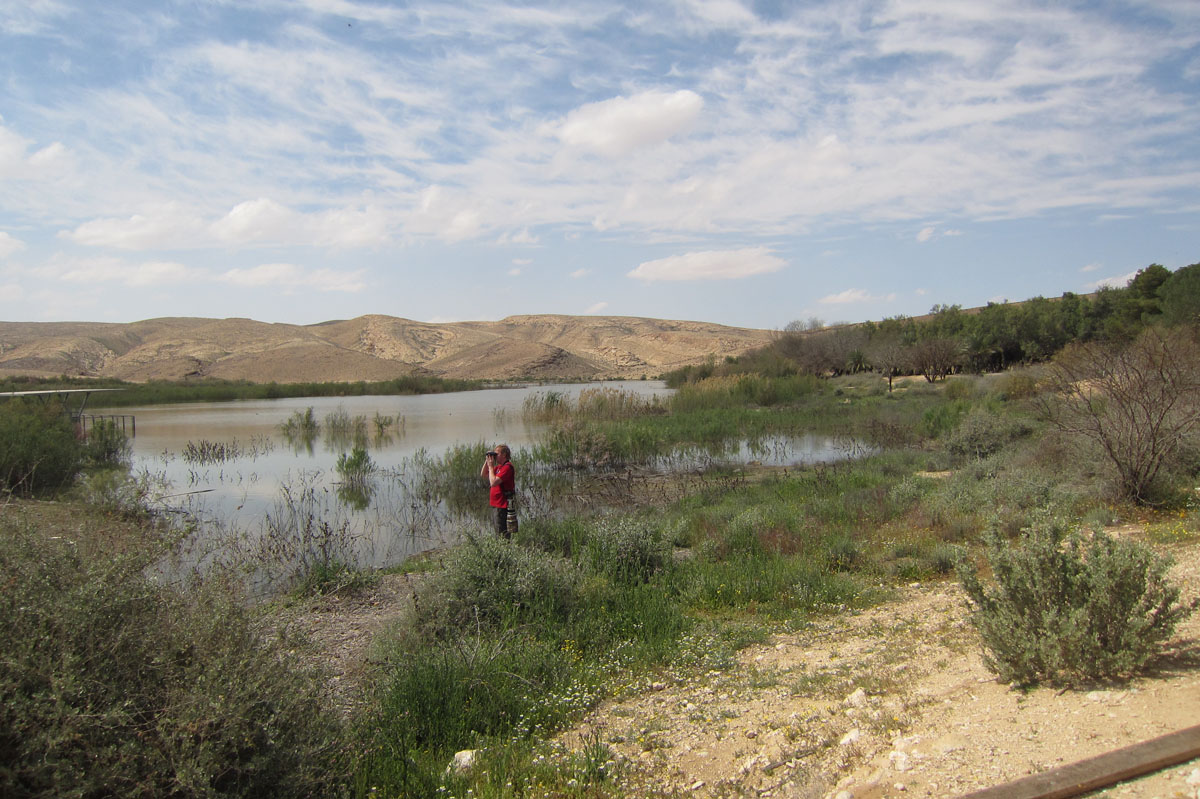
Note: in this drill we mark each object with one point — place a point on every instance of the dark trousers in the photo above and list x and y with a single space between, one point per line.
501 522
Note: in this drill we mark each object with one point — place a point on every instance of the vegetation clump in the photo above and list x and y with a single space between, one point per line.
1067 609
112 685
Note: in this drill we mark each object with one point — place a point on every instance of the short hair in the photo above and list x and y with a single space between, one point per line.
504 448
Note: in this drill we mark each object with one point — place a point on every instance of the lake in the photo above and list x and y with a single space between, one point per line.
259 482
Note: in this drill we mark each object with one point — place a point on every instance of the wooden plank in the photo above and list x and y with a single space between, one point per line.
1097 772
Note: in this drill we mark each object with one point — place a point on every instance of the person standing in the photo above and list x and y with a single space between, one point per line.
498 470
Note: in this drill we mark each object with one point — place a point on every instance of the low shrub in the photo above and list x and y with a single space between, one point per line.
107 444
982 433
627 550
39 450
489 582
1066 609
111 685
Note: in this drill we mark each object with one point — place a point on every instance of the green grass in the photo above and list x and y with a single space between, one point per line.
156 392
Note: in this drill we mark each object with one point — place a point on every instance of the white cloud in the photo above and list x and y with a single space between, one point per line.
1093 267
618 126
116 270
522 261
257 220
710 265
1116 282
514 272
850 296
931 232
578 273
16 164
522 236
9 245
166 226
288 278
596 308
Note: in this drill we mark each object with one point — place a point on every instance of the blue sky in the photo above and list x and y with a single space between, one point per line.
748 163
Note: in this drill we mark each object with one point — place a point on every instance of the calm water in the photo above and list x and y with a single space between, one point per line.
270 483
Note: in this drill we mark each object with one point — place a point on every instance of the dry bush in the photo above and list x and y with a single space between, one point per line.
1139 403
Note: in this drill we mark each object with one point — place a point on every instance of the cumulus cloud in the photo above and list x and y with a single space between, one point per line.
288 278
710 265
926 234
266 221
262 219
850 296
166 226
618 126
9 244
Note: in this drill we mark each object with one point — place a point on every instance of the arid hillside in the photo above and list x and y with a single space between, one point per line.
366 348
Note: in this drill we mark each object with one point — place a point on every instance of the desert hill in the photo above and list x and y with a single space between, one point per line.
370 347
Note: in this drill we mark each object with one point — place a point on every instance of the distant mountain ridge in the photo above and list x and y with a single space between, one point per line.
373 347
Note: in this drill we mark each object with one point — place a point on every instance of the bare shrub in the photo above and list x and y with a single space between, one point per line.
1139 402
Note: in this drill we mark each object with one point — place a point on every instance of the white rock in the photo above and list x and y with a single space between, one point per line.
857 699
1194 777
851 737
843 795
899 761
463 761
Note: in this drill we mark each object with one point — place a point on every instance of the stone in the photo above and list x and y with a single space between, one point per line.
463 761
851 737
857 699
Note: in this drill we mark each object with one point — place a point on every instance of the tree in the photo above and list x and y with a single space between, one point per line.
1179 296
936 357
889 356
1139 402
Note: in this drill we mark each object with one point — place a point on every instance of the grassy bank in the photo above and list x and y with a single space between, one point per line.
157 392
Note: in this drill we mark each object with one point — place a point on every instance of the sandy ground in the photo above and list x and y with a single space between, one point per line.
893 701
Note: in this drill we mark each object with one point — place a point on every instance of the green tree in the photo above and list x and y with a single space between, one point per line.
1179 296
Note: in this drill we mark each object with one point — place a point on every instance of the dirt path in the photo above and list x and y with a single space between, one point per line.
894 701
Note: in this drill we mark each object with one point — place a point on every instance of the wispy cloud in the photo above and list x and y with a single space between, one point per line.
709 265
596 308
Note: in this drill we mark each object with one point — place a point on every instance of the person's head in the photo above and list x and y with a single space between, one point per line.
503 453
